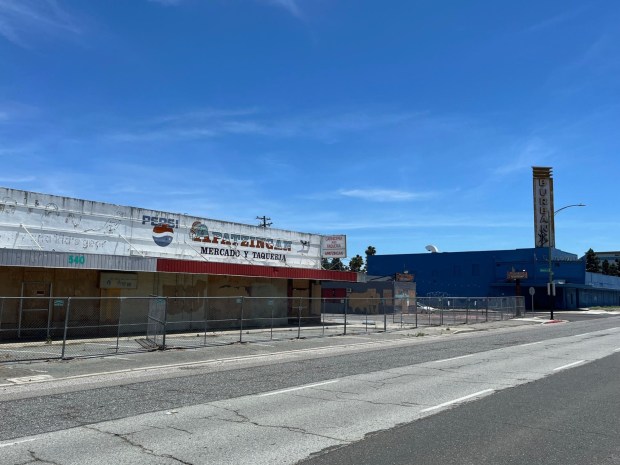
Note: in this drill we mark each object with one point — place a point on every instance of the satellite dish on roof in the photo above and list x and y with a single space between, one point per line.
432 248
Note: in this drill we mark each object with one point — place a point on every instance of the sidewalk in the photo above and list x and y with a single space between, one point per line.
13 373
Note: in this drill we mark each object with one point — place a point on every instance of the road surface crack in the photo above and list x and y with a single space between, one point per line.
140 447
294 429
36 459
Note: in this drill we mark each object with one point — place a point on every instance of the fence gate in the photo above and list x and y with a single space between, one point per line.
156 323
35 309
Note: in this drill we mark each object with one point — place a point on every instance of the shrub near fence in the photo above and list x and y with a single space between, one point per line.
66 327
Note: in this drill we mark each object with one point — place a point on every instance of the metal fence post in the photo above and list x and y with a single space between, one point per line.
118 326
49 315
163 342
486 312
206 316
64 337
299 320
241 321
271 333
346 304
384 315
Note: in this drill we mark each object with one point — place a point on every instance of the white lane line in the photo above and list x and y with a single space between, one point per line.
460 399
453 358
530 344
14 443
617 350
307 386
582 334
563 367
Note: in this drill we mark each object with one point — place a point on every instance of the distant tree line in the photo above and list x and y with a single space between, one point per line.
357 263
594 265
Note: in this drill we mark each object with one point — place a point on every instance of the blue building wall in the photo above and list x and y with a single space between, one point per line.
484 273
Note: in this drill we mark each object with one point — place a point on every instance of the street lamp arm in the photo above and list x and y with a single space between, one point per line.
568 206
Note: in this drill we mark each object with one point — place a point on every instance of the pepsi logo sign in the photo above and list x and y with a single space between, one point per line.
163 229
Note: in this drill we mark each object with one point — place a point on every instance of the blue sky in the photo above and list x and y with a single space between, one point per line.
398 123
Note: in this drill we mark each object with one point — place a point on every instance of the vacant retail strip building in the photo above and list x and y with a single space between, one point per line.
105 256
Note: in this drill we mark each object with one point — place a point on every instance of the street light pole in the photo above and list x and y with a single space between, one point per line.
551 286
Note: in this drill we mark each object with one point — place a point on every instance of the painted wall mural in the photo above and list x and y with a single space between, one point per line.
32 221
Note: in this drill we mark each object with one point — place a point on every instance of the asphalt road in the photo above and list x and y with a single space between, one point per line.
280 404
570 418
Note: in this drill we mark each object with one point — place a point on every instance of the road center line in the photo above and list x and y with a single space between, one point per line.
307 386
453 358
563 367
14 443
460 399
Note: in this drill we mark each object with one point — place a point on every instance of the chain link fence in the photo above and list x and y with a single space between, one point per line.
57 328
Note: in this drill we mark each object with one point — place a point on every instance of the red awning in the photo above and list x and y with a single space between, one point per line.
167 265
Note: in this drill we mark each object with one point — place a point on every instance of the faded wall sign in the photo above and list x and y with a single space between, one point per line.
32 221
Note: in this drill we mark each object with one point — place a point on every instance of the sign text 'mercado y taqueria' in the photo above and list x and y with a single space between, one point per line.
200 233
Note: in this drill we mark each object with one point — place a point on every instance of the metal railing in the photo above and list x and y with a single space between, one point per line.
68 327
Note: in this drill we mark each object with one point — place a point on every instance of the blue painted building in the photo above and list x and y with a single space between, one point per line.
486 274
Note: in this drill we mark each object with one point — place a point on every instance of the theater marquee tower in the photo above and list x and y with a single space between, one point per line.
544 226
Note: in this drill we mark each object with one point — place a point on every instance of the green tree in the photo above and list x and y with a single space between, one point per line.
356 263
593 264
605 267
337 265
370 250
613 268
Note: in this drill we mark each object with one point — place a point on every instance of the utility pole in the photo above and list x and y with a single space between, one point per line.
264 221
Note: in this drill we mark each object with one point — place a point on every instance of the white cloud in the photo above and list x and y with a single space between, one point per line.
384 195
21 20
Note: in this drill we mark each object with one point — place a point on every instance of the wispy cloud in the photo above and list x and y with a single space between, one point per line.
560 18
533 152
384 195
417 222
292 6
167 2
16 180
211 123
21 20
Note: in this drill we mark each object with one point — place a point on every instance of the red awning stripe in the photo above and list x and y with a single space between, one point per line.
167 265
